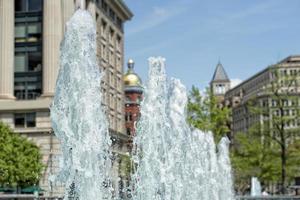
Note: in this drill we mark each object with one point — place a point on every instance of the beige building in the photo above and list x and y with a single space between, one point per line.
255 87
30 35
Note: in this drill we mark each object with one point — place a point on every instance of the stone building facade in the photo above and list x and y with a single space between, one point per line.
254 89
30 36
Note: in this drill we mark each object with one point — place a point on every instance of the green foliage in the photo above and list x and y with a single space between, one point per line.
293 160
20 160
269 149
125 166
205 113
252 156
258 157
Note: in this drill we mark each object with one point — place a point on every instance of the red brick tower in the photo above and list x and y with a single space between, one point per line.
133 96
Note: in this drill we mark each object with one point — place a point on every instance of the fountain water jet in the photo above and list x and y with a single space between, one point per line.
255 187
77 116
173 161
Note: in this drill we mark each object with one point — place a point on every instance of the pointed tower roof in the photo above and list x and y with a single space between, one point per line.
220 74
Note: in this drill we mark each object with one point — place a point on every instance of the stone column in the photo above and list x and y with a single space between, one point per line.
52 36
7 43
80 4
91 7
68 10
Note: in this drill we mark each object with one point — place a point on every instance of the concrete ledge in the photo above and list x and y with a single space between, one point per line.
33 130
5 97
14 105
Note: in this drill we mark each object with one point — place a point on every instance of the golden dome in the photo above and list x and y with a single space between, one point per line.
131 78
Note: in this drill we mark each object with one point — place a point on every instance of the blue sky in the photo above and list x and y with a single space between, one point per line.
193 35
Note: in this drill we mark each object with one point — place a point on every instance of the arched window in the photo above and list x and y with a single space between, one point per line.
130 116
128 131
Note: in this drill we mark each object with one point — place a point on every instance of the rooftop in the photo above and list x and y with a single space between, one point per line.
124 8
220 74
131 79
291 59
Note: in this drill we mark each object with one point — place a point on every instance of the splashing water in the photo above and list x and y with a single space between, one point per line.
225 184
255 187
77 116
174 162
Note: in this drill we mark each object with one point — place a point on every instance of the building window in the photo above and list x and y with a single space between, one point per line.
112 100
112 58
111 35
103 52
112 14
128 131
97 17
104 5
28 49
128 117
28 61
103 27
27 87
119 65
28 32
119 40
111 78
119 104
28 5
34 5
28 73
25 120
119 23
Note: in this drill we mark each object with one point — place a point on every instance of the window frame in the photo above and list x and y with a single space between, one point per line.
26 122
28 83
26 4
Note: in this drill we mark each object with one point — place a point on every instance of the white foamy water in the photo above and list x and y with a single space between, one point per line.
173 161
77 115
255 187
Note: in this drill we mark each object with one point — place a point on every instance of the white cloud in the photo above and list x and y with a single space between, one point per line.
159 11
157 16
234 82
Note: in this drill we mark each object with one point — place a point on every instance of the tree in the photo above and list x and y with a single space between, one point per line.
276 112
254 157
206 114
20 160
251 157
